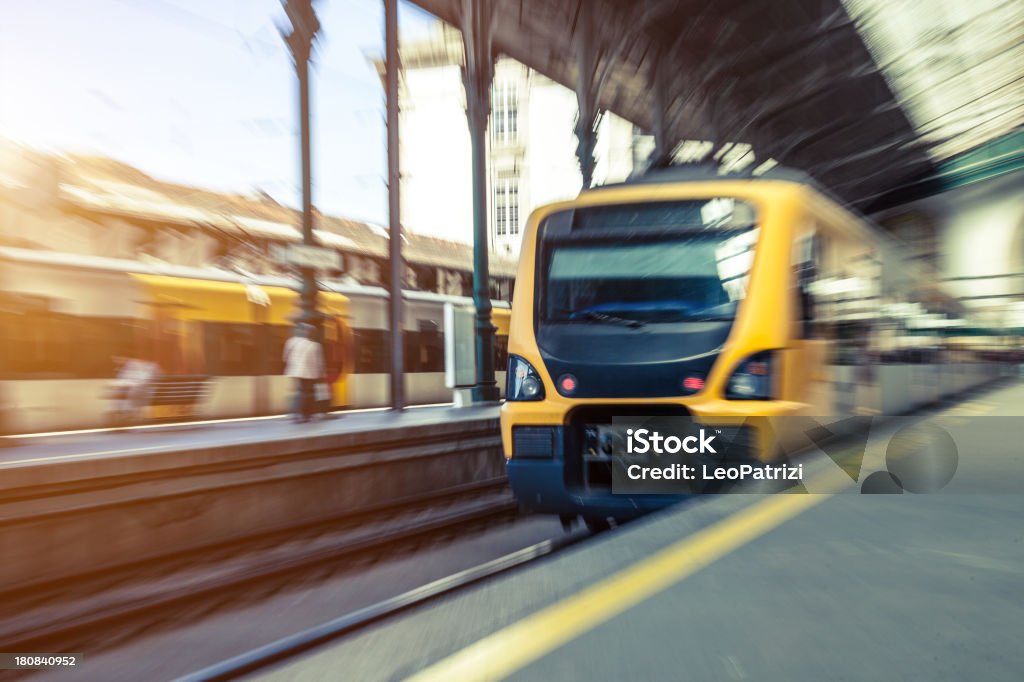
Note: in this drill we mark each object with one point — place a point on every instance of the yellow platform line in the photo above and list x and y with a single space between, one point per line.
527 640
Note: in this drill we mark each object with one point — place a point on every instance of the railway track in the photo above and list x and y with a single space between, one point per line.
294 645
99 611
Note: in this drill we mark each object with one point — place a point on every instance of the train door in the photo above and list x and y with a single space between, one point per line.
337 343
169 343
835 281
857 322
806 375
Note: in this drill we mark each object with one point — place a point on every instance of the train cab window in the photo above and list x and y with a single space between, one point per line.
807 267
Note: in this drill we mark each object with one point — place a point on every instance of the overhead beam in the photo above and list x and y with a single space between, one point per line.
718 69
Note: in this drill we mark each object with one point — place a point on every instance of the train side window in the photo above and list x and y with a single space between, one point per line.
229 350
424 350
412 351
371 351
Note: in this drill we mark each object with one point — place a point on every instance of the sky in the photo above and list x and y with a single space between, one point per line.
203 92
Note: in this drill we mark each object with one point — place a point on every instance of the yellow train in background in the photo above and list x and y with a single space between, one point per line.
728 301
66 320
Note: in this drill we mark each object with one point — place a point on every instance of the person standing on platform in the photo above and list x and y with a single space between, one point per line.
304 361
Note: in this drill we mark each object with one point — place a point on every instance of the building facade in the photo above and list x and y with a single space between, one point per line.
531 151
94 206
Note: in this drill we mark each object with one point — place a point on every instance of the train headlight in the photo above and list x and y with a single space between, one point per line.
523 381
752 379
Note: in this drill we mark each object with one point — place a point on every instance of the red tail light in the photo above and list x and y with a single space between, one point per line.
693 383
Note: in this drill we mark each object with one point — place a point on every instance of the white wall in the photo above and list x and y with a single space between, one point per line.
614 150
980 232
550 155
436 183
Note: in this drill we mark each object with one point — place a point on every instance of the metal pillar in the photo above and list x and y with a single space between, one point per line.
304 29
589 115
661 155
477 74
393 66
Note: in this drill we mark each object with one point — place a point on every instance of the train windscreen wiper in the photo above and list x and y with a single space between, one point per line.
594 316
710 318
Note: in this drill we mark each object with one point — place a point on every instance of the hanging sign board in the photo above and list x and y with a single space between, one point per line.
307 256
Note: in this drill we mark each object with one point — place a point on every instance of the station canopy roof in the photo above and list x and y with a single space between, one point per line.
867 96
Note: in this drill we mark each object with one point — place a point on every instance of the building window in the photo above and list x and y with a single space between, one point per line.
500 220
513 208
506 205
505 112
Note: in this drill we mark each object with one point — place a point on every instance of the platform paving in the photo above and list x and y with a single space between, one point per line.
184 437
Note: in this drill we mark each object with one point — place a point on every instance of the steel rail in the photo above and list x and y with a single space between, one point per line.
289 647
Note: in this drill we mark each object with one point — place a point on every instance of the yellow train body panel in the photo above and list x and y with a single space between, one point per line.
177 303
764 320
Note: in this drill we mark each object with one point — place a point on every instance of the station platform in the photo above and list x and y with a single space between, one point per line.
831 585
191 436
114 497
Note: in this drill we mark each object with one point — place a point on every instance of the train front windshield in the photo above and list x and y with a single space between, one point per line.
634 269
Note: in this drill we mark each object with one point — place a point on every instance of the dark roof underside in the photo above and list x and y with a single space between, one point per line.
792 78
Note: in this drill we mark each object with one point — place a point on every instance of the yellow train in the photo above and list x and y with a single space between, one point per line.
726 300
65 320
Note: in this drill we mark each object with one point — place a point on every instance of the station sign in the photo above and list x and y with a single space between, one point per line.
308 256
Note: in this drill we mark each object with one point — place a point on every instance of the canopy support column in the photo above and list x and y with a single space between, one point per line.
393 66
589 116
305 26
477 18
661 155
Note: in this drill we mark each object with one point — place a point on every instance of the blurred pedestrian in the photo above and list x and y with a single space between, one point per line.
304 361
130 389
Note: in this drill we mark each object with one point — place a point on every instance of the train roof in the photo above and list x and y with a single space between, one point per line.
711 172
125 266
705 172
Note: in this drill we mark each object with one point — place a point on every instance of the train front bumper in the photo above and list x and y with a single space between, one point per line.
539 486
